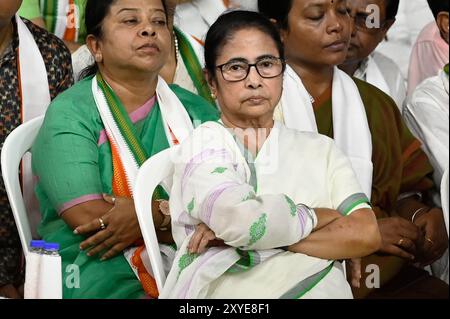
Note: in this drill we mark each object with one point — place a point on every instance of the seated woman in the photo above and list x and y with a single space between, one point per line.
34 68
366 125
94 138
252 180
184 65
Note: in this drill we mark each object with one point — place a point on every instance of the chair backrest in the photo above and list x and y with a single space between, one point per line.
150 175
445 197
16 145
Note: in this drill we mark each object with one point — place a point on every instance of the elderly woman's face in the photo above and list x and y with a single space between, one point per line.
319 32
135 36
254 96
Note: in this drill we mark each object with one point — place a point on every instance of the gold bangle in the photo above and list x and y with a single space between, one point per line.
417 212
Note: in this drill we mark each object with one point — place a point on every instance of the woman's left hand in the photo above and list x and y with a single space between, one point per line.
202 238
121 229
436 240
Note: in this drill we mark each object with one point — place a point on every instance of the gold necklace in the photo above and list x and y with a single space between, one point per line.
177 50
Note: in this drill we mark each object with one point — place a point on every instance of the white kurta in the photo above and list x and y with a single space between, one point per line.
251 205
427 116
412 17
382 72
81 59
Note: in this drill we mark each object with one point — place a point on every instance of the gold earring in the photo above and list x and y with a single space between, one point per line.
213 95
98 57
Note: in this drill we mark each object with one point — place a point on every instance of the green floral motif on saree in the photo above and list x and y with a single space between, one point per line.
219 170
186 260
292 206
258 229
191 206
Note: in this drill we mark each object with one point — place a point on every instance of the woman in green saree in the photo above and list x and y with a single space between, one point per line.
94 138
184 65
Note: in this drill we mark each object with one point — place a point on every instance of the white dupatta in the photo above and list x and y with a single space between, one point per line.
351 129
175 117
35 96
177 125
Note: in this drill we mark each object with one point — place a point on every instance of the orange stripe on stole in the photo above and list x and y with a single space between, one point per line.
198 40
147 281
174 138
410 150
121 189
70 32
119 184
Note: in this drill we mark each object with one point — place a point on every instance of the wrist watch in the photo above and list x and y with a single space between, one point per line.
311 213
165 210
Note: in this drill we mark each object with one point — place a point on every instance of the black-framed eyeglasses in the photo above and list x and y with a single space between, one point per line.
238 70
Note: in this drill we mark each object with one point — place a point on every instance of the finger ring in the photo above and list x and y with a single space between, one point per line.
401 241
102 224
429 240
113 199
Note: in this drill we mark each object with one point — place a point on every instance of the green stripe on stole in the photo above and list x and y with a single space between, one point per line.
193 66
49 13
127 130
123 122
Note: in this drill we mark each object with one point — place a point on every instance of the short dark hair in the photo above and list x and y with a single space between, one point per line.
438 6
230 23
277 10
392 9
95 13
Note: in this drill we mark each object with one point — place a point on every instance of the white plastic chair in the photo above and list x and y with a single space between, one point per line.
445 197
150 175
16 145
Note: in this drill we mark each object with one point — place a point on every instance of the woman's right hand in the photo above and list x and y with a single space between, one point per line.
435 241
121 229
399 237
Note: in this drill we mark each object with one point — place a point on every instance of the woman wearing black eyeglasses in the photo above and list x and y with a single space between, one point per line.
253 183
